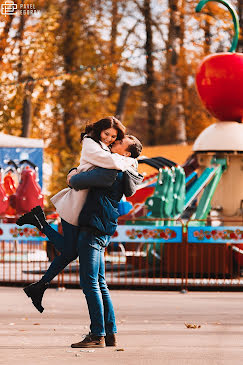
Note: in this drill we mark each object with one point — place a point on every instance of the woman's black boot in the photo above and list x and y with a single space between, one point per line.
35 217
35 291
40 215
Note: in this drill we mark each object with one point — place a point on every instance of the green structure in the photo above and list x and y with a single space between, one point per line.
170 198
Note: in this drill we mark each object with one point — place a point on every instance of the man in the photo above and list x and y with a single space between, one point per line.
97 222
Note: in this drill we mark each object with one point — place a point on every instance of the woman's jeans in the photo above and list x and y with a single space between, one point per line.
66 244
90 249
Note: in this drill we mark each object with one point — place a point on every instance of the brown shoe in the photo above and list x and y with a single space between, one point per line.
90 341
110 340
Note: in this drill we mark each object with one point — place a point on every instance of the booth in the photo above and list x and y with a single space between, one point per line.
21 175
18 149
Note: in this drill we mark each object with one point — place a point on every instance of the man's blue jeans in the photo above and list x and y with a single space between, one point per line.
90 250
92 280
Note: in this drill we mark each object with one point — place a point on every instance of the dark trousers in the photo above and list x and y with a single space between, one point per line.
66 244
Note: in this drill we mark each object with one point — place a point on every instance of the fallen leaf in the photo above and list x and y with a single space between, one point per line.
36 324
190 325
120 350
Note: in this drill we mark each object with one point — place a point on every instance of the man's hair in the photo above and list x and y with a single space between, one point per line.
135 148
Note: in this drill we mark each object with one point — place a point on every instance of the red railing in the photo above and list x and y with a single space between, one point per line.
150 262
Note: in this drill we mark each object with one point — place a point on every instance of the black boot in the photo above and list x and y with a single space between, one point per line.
29 218
39 213
35 217
35 291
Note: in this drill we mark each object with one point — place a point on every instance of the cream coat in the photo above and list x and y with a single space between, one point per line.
68 202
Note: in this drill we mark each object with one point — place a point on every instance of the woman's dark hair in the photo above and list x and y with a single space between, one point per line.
94 130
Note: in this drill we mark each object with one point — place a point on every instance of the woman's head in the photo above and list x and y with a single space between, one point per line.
106 130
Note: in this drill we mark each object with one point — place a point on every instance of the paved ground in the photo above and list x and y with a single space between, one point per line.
151 329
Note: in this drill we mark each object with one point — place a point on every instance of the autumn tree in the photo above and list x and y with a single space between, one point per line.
172 117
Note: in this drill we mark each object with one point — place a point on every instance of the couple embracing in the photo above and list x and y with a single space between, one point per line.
88 211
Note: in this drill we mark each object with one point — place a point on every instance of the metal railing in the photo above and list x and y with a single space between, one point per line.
174 255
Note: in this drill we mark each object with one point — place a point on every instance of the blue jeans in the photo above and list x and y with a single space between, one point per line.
90 249
92 280
66 244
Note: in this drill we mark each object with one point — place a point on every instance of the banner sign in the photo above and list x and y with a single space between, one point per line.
12 232
215 234
133 233
126 233
148 234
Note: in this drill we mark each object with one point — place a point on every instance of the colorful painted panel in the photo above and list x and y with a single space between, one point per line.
11 232
215 234
147 234
34 155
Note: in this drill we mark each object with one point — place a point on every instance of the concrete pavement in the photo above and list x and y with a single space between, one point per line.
151 328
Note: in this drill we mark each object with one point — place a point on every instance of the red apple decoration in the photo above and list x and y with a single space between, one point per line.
219 79
219 83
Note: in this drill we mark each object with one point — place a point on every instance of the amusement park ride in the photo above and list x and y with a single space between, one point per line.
214 174
210 182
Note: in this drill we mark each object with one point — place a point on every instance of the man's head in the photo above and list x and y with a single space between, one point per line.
129 146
